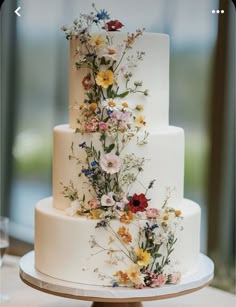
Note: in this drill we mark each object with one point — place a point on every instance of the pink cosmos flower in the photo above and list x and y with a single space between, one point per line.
94 203
111 163
91 125
103 126
152 213
174 278
124 118
159 281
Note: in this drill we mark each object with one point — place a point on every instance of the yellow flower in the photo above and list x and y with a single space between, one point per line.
139 107
127 217
134 274
105 78
125 104
95 213
112 103
178 212
82 106
93 106
140 121
143 257
97 40
165 217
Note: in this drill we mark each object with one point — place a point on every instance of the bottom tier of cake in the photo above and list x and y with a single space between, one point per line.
78 249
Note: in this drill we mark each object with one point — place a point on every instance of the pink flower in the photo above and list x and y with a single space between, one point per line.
111 163
91 125
174 278
94 203
103 126
159 281
124 118
152 213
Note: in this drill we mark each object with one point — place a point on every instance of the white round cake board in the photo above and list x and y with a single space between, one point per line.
45 283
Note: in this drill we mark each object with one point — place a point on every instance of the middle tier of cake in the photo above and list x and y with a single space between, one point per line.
164 163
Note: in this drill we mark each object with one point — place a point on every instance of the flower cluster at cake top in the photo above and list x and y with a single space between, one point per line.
106 165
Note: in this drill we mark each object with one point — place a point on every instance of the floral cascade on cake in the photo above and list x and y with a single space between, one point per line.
140 258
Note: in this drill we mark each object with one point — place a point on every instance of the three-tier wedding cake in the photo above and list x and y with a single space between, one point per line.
118 216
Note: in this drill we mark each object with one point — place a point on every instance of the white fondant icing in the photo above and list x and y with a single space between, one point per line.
63 250
164 154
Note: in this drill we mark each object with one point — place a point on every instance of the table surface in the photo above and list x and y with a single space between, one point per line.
23 296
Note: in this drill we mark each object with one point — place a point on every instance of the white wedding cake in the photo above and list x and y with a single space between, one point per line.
118 216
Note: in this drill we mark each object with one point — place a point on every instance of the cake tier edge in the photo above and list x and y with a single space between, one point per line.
64 245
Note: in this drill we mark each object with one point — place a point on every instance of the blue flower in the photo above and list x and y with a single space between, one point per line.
102 15
115 284
87 172
109 112
94 163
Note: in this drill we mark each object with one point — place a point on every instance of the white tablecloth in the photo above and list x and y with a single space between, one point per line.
22 295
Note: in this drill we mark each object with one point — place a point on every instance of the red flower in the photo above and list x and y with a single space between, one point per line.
113 25
87 82
138 203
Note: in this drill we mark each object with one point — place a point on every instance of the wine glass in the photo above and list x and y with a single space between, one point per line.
4 243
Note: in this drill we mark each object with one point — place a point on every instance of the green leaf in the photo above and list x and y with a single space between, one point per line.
110 148
122 95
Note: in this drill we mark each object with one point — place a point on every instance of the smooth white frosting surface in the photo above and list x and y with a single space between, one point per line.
164 162
63 249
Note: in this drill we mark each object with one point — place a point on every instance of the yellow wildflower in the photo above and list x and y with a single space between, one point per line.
105 78
143 257
134 275
140 121
82 106
125 104
95 213
139 107
97 41
112 103
165 217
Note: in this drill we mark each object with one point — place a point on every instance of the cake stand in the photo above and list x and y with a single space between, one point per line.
114 297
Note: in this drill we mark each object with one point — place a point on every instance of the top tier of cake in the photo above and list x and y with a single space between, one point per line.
152 71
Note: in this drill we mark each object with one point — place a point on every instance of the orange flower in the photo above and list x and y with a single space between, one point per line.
123 277
127 217
93 106
105 78
125 235
178 212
